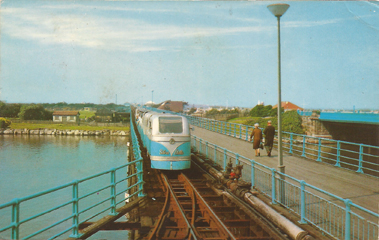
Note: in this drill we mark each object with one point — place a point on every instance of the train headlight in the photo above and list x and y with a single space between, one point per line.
172 141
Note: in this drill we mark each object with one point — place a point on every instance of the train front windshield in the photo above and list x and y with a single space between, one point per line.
170 125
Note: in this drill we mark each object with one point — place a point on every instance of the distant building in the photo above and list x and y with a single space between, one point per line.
174 106
288 106
66 116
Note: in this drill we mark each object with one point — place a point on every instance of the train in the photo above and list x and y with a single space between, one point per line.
167 139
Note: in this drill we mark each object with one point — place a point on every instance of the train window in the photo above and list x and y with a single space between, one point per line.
170 125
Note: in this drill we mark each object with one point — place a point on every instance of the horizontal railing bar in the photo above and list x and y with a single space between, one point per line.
94 192
61 233
48 227
7 227
95 205
95 215
47 211
23 199
135 193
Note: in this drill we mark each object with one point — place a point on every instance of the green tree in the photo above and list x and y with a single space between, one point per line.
292 122
9 110
212 112
192 110
34 112
4 123
261 111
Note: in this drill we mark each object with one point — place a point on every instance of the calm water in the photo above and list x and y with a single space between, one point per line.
30 164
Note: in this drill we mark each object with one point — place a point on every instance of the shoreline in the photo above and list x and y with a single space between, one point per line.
47 131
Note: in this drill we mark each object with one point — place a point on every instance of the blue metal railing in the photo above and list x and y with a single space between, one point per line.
335 216
93 196
361 158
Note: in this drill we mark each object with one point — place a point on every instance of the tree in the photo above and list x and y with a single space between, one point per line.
292 122
261 111
34 112
9 110
212 112
192 110
4 123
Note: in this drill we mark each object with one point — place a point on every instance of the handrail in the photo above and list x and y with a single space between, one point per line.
15 223
334 217
361 158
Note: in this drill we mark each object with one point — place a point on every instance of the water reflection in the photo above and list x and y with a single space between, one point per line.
33 163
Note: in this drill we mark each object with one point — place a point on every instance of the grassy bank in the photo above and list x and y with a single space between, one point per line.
33 126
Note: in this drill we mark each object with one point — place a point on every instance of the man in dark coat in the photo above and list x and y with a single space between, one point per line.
269 132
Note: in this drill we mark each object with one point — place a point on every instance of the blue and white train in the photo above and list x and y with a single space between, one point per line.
167 139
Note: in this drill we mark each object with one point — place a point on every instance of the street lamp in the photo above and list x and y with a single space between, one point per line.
278 10
152 98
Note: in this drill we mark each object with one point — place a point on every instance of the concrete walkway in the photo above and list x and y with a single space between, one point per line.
361 189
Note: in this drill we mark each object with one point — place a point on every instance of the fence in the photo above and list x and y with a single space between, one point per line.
56 212
361 158
335 216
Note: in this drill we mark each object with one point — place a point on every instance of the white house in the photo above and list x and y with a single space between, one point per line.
66 116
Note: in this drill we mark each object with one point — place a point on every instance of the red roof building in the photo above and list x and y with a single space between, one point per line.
288 106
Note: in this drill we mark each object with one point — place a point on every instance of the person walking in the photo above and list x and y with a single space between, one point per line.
256 134
269 132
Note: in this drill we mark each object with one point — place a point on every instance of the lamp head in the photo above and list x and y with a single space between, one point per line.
278 9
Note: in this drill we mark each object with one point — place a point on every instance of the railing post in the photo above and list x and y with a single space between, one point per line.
224 158
215 155
75 210
319 151
302 202
113 192
15 218
235 129
247 133
360 159
240 131
252 173
347 219
303 154
338 154
140 178
291 143
206 150
199 145
273 186
194 143
237 159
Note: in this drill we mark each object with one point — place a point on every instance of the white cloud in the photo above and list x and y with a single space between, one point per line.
47 27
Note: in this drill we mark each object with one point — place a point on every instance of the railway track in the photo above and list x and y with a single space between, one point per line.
194 209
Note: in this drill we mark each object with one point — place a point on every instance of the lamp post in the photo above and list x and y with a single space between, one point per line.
152 98
278 10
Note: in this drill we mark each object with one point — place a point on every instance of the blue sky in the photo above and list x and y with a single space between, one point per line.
215 53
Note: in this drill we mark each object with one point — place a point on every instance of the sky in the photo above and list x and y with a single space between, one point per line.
209 52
